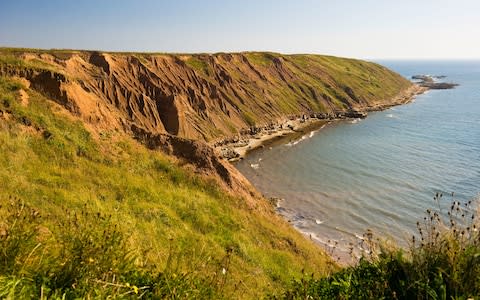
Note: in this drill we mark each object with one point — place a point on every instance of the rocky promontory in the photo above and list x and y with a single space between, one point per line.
432 82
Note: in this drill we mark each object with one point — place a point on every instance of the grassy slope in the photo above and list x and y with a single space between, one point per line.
49 160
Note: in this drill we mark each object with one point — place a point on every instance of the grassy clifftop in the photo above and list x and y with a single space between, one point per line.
204 96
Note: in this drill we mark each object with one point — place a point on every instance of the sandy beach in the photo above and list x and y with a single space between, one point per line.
296 126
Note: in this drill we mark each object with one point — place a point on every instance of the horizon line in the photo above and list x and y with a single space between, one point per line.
8 47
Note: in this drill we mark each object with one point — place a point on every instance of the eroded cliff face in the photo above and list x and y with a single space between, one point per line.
175 103
202 97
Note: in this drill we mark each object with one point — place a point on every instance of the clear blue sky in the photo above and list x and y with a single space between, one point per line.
353 28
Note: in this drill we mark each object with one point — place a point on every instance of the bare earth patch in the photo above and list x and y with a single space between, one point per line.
23 97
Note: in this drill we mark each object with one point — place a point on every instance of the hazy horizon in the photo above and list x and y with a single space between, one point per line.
372 29
373 59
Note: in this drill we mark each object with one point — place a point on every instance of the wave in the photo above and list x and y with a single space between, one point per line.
304 137
293 143
392 116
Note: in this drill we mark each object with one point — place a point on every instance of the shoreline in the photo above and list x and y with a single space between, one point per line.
237 147
261 140
339 254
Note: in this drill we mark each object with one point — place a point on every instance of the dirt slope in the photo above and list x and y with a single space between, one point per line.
203 97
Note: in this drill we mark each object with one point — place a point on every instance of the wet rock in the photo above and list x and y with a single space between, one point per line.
428 81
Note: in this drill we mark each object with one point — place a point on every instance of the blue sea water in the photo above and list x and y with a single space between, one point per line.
380 173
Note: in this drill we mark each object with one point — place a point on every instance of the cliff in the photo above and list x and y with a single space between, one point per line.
200 96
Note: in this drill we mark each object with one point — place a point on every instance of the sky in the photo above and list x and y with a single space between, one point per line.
369 29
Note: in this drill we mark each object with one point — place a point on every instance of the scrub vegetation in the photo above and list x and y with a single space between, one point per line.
443 262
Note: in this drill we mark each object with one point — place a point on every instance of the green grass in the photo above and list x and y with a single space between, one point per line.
83 255
171 223
249 118
197 64
12 60
263 59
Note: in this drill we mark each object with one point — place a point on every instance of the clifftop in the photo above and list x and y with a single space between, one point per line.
199 96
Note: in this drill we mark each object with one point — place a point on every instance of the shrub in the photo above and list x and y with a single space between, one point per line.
443 262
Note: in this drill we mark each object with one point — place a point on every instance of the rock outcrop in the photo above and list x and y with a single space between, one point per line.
431 82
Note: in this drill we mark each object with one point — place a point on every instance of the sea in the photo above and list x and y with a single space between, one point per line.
378 174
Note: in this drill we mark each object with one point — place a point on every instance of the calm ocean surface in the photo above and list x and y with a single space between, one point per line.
380 173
